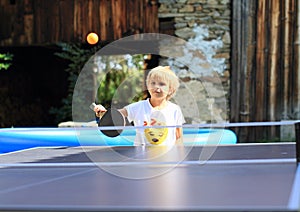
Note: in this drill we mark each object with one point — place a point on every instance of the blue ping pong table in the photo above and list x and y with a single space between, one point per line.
240 177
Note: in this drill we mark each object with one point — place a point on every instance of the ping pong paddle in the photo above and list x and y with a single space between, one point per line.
112 117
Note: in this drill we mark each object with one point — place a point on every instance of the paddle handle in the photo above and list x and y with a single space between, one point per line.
92 106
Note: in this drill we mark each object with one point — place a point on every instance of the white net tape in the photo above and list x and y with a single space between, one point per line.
212 125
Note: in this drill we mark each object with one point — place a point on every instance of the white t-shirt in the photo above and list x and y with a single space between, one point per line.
143 114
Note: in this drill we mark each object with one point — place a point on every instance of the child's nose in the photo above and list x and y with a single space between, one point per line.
158 88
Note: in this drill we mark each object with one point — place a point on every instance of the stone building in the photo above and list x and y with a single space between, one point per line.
205 26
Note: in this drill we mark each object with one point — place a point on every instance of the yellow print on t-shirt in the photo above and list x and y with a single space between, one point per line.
156 135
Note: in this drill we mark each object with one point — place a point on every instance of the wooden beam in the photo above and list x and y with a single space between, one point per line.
296 63
119 18
274 59
260 80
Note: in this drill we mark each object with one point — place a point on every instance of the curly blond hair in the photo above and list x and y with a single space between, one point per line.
165 74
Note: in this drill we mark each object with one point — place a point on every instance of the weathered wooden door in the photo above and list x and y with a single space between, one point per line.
265 75
35 22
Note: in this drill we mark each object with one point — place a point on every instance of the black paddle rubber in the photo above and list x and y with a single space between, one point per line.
112 117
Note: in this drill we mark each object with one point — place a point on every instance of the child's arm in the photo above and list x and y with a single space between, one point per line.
124 112
100 110
179 136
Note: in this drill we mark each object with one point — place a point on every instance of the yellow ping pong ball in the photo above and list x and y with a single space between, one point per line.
92 38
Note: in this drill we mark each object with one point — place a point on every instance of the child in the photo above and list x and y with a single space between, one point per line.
157 110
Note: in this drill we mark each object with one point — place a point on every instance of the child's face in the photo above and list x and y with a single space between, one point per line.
158 88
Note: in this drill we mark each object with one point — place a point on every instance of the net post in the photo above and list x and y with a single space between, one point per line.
297 135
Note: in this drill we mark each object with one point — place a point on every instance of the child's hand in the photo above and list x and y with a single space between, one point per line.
99 110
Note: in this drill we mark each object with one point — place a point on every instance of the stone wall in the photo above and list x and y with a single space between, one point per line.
205 24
